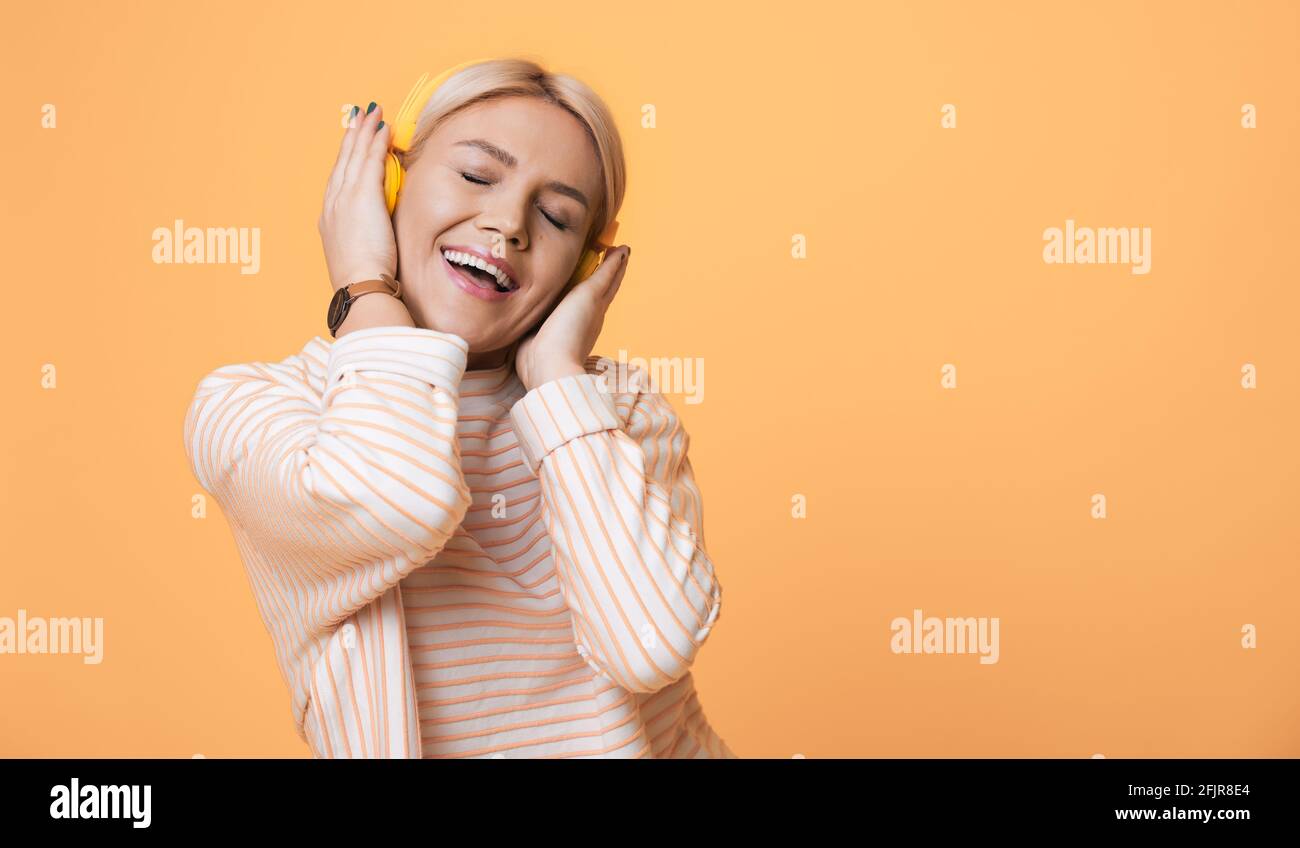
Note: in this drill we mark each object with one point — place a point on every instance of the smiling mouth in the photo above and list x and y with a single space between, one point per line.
480 270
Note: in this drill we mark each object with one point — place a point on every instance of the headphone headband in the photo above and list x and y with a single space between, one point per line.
408 117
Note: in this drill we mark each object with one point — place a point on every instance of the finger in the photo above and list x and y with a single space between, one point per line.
345 152
355 139
365 135
372 168
620 261
603 277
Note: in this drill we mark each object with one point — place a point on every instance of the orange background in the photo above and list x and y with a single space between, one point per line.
1118 636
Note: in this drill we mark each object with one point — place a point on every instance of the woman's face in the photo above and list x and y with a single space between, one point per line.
514 179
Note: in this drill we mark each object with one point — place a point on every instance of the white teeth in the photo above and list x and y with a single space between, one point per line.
469 259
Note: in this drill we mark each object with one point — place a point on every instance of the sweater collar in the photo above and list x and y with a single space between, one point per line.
482 389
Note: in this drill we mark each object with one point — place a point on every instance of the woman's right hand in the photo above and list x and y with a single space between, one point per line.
355 227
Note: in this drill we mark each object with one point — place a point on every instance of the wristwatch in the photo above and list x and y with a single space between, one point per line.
347 295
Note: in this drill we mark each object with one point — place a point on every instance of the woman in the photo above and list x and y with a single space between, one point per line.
467 535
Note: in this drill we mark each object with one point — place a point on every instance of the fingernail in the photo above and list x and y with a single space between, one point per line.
355 110
380 127
371 107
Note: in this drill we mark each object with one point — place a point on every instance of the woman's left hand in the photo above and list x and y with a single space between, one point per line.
560 347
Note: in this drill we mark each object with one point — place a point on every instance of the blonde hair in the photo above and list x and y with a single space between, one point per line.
521 77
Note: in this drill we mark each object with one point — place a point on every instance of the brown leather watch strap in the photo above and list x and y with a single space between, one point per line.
345 296
385 283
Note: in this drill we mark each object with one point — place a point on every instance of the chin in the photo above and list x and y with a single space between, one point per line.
472 331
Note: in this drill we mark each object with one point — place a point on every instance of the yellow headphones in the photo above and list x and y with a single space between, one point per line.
403 133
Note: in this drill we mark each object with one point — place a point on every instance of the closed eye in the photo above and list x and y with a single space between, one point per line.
558 225
470 178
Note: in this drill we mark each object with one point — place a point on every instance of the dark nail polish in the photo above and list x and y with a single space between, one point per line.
371 107
355 110
380 127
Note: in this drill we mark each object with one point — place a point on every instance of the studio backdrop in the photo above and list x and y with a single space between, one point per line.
981 319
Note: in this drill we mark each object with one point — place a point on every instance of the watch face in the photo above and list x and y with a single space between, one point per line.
338 308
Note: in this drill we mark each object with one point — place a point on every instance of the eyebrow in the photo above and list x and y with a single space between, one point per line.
509 161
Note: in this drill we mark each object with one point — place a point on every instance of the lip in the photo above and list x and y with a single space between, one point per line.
486 255
465 284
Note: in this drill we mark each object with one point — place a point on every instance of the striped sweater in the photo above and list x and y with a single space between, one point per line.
451 566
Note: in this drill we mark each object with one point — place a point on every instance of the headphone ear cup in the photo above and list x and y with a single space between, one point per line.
587 265
594 255
393 175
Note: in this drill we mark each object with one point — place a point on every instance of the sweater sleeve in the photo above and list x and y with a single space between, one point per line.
343 487
624 515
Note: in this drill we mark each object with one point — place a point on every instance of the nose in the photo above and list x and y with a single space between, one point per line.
503 219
